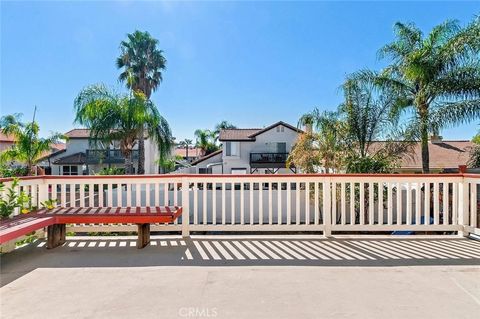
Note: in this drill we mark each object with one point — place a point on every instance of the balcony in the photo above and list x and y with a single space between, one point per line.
357 212
111 156
268 160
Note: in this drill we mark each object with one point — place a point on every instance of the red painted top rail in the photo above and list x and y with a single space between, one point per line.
206 176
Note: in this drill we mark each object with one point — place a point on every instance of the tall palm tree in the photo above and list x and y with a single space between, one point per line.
29 148
205 141
142 63
113 117
436 76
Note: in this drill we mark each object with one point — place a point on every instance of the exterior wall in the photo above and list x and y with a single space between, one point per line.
264 143
151 156
217 169
72 146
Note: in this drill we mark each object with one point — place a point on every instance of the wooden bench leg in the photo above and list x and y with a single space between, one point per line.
143 235
56 235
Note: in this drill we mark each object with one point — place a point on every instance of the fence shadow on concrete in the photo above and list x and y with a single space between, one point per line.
225 251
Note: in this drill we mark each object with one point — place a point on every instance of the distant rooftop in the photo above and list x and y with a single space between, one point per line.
443 154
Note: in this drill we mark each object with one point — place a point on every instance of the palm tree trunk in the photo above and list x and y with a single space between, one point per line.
141 154
424 140
128 163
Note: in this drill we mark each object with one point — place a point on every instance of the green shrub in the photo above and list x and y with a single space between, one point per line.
10 200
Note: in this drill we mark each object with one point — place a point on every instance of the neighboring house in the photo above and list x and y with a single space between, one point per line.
6 142
445 156
193 153
250 151
264 151
82 158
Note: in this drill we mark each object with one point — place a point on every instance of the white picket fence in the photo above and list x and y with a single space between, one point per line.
321 202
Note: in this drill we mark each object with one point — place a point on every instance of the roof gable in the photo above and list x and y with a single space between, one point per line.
268 128
249 134
78 133
201 159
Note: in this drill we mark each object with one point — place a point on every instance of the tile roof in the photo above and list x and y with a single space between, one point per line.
78 133
74 159
82 133
201 159
6 138
444 154
238 134
55 149
241 134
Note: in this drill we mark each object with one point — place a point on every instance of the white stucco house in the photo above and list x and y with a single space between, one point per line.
80 157
250 151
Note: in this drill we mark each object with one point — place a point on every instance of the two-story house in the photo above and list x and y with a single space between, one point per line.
250 151
80 157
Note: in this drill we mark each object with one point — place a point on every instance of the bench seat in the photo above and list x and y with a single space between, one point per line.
57 218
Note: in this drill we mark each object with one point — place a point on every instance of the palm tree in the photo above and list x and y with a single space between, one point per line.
29 148
113 117
369 117
142 63
205 141
436 76
186 143
327 138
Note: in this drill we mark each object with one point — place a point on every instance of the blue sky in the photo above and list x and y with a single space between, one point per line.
251 63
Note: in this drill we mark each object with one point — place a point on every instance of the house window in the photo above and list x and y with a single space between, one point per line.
69 170
232 149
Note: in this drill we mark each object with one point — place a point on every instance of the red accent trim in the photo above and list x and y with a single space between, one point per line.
471 175
20 227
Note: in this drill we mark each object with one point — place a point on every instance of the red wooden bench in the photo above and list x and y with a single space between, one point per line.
56 219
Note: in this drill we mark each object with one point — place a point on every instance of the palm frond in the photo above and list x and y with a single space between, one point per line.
455 113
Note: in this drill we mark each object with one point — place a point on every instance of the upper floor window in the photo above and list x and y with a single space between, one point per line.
232 148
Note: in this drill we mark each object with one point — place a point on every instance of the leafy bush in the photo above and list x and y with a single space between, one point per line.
112 171
6 171
12 200
355 163
49 204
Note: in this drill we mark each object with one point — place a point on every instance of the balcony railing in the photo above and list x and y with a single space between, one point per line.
111 156
268 160
321 202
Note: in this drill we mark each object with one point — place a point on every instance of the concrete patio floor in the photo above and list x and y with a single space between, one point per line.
244 277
